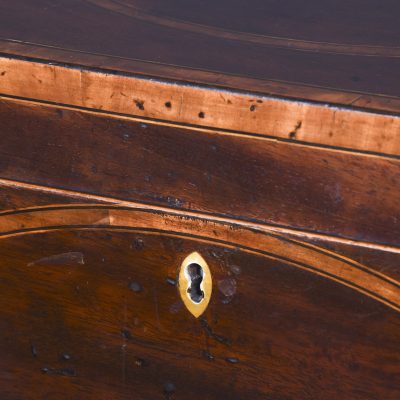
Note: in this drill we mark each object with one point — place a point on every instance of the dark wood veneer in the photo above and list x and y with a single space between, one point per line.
285 333
255 141
245 177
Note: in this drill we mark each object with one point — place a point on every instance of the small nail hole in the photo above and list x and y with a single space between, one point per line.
139 104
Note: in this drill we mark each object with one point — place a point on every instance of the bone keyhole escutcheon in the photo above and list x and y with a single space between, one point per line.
195 283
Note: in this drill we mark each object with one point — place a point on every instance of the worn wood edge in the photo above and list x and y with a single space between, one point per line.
190 128
95 199
319 124
272 87
312 258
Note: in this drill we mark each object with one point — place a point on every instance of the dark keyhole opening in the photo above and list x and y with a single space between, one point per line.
196 277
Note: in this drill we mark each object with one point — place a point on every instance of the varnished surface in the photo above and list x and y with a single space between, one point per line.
89 307
263 135
18 196
209 78
347 46
337 193
177 103
362 279
73 324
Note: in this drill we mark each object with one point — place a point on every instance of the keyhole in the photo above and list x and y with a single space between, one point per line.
196 274
195 283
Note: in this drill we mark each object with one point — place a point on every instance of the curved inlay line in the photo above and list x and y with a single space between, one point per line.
280 42
311 258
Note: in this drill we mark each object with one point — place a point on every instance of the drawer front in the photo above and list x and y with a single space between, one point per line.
91 308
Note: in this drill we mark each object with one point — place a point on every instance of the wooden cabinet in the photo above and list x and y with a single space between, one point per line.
194 205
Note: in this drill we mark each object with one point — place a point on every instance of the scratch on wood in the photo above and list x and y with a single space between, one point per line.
70 258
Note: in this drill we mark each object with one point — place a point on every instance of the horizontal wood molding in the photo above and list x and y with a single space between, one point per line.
18 197
269 87
23 196
286 184
180 103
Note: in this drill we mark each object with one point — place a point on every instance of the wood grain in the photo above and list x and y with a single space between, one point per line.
304 256
44 53
385 260
89 307
188 104
194 20
261 137
324 191
77 330
348 47
25 196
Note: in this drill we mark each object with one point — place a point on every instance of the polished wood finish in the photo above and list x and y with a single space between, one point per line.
257 141
349 46
283 331
217 80
191 59
236 175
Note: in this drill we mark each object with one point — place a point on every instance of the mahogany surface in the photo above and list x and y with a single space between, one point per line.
350 46
78 331
287 185
263 135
